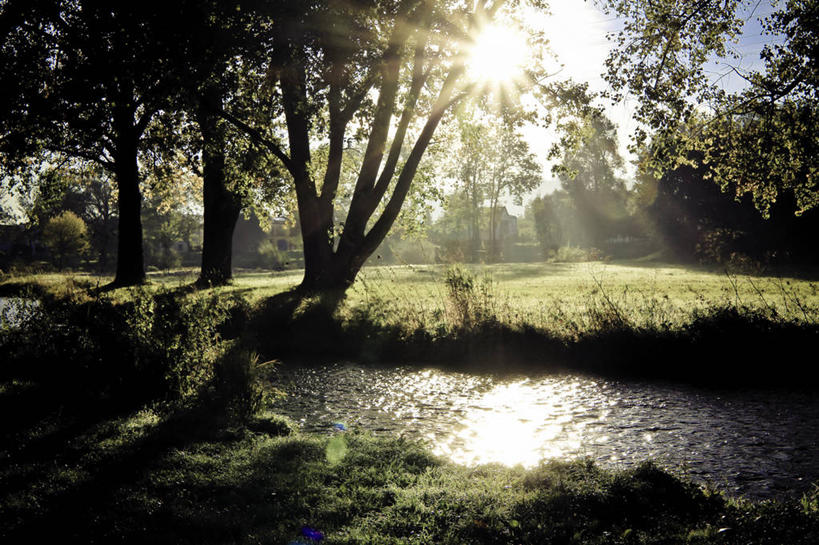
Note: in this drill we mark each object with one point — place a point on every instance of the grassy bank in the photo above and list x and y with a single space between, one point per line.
145 477
628 319
614 320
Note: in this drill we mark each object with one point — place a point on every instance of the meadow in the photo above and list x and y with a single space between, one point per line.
568 298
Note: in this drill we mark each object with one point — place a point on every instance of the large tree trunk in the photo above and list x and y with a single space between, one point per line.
221 206
319 258
221 213
130 262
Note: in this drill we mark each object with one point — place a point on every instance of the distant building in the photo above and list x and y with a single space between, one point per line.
506 225
249 238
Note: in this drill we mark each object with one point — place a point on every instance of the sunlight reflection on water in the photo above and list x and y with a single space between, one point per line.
757 443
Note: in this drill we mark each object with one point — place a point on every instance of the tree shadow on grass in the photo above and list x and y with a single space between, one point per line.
64 483
295 322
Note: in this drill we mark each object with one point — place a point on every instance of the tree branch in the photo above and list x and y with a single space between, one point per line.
382 226
256 135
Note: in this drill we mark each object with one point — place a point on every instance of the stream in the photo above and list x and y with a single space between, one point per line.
758 443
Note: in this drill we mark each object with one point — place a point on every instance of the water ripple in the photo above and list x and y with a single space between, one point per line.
757 443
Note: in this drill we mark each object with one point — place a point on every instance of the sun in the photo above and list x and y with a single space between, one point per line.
497 55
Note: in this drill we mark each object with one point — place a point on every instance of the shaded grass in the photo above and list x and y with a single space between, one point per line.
145 477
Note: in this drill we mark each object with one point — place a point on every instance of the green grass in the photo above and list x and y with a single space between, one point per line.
562 297
541 294
146 477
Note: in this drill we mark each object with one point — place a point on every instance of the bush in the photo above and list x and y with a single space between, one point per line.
155 347
66 238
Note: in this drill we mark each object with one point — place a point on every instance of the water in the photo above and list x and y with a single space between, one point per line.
12 309
757 443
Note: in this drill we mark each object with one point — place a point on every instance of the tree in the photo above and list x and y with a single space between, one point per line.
548 225
365 72
513 172
65 236
694 219
588 172
95 83
237 173
761 140
492 161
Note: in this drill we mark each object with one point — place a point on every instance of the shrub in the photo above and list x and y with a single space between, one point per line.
241 385
717 245
65 236
154 347
470 300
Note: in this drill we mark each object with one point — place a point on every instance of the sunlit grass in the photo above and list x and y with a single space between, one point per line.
569 297
563 297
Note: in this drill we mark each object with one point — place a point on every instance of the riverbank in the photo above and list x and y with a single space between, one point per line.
616 320
144 476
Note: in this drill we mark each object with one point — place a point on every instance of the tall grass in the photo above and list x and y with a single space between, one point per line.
459 298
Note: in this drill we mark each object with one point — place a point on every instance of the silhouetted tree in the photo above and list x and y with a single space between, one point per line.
761 140
94 86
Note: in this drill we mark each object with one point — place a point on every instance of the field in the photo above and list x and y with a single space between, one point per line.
565 298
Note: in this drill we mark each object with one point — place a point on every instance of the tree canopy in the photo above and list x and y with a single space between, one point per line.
380 73
760 140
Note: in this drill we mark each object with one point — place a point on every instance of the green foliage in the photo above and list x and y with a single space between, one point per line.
470 300
810 500
155 346
270 257
65 235
241 385
760 140
574 254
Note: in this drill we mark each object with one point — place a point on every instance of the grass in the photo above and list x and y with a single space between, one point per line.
615 319
562 297
540 294
149 477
